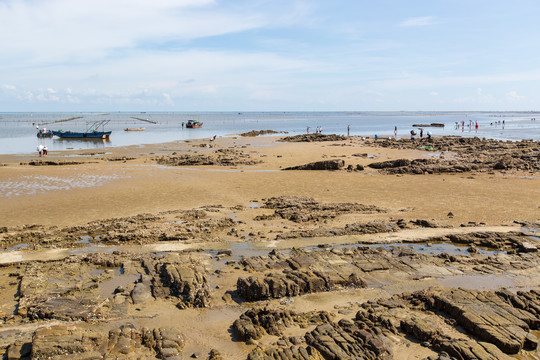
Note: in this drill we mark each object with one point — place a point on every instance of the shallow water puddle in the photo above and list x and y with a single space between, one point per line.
39 184
107 288
477 281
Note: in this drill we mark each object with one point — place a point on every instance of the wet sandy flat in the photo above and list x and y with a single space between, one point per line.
170 236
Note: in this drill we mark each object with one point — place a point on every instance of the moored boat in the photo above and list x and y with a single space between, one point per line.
90 133
82 135
194 124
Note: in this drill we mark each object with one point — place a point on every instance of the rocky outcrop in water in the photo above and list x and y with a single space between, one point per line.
259 132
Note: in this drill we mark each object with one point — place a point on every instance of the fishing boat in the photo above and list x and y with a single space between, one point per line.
194 124
134 129
90 133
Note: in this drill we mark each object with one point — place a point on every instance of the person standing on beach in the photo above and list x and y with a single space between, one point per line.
308 129
348 130
395 132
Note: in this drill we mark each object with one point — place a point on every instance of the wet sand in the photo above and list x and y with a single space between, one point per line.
68 195
55 203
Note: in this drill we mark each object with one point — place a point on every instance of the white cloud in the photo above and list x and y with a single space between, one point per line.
434 93
64 30
418 21
513 97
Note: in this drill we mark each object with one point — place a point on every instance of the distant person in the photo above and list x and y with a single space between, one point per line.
45 150
307 129
376 136
213 138
412 134
395 132
182 125
421 133
40 150
503 124
348 130
429 135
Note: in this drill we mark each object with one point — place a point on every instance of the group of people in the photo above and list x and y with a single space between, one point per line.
413 134
42 150
318 130
470 125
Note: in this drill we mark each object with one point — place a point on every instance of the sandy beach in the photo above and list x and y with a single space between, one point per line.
178 236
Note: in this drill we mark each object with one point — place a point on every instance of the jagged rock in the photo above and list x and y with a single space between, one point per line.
485 315
71 342
314 137
320 165
293 283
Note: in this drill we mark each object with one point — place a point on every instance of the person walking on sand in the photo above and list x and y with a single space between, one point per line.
40 149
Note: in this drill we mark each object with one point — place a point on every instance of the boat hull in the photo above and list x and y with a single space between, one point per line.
80 135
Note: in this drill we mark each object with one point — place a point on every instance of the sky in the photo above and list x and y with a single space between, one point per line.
269 55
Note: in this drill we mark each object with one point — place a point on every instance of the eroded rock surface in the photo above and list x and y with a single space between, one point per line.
464 155
302 209
97 286
221 157
127 342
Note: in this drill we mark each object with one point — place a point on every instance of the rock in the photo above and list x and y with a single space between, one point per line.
215 355
140 293
528 247
314 137
320 165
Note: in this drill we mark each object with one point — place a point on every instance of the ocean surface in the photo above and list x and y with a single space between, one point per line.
18 130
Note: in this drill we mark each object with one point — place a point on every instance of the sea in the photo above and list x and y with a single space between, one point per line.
18 129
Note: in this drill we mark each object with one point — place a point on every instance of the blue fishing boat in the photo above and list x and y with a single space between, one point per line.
90 133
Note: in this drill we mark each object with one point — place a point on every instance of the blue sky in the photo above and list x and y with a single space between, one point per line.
269 55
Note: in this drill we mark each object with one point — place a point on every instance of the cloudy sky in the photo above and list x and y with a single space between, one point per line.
269 55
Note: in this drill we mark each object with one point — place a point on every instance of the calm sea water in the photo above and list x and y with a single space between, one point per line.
18 131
